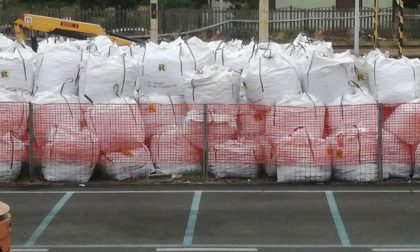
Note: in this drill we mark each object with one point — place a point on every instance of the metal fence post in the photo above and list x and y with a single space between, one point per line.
379 154
31 143
205 142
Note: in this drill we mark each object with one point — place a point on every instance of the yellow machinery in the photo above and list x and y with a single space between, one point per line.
64 27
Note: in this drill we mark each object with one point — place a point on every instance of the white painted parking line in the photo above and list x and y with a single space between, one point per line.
29 250
337 219
44 224
396 249
207 249
211 191
189 233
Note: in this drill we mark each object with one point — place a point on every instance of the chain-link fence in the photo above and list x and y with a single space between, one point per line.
73 142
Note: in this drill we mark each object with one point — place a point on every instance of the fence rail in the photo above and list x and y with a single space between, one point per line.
137 22
67 142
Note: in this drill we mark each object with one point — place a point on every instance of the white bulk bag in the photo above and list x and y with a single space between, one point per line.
14 110
172 153
358 109
118 126
233 56
328 78
404 122
70 156
267 79
392 80
5 43
11 157
354 154
234 159
396 157
302 158
213 84
164 67
101 45
109 77
201 53
17 68
161 111
129 164
252 119
221 127
53 110
303 110
57 65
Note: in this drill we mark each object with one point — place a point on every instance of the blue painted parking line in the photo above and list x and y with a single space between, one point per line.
44 224
189 233
345 241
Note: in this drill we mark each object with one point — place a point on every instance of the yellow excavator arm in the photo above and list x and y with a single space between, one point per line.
68 28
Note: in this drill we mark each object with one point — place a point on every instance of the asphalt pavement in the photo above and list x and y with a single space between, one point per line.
215 218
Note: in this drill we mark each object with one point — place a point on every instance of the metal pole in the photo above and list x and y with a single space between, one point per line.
31 143
263 21
376 24
379 154
356 27
400 4
205 142
154 20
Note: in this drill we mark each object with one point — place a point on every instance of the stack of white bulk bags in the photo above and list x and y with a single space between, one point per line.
268 78
328 78
160 112
354 154
221 127
404 121
14 112
128 164
303 110
70 155
213 84
12 155
358 109
234 55
396 157
17 67
164 67
57 68
51 111
301 157
234 159
172 153
385 72
108 77
118 126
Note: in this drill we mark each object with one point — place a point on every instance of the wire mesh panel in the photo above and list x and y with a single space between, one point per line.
13 139
175 150
306 142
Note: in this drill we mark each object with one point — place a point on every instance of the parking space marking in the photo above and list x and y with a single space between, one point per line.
206 249
396 249
211 191
189 233
337 219
44 224
28 250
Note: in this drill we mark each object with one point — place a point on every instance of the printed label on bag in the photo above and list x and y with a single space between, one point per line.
4 74
162 67
340 141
